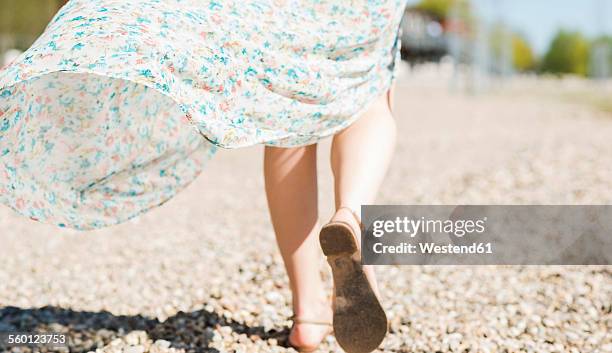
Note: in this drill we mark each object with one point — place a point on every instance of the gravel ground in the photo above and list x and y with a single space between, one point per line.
202 274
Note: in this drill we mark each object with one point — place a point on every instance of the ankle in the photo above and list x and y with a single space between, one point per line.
350 216
312 308
353 210
350 213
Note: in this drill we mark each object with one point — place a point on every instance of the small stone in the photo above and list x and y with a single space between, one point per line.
274 297
162 343
134 349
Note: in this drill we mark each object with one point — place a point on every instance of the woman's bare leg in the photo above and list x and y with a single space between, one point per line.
360 157
291 189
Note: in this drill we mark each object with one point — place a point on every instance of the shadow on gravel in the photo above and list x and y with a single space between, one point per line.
88 331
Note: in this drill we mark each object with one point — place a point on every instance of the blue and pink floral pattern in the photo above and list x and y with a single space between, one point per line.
118 105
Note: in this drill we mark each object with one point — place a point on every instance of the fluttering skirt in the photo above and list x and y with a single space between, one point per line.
119 104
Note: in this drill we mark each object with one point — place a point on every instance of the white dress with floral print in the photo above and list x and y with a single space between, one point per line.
118 104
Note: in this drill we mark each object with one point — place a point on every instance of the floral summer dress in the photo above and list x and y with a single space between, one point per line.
118 105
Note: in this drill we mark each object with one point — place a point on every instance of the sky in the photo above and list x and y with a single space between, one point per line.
539 20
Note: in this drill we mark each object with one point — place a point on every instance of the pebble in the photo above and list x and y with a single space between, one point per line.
203 274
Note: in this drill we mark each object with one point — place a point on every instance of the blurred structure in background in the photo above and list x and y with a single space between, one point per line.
601 58
450 31
482 49
424 38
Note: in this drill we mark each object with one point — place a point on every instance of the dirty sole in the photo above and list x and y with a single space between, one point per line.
360 323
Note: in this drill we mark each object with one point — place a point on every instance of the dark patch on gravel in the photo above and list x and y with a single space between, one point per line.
88 331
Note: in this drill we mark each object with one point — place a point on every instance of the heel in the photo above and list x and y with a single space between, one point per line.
337 239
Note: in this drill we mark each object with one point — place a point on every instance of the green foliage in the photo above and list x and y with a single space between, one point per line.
21 21
523 58
568 54
514 46
26 16
441 9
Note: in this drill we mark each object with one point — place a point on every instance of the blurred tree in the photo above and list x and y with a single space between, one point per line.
568 54
24 20
441 9
511 48
523 58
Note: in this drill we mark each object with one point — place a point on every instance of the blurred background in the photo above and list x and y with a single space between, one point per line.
477 45
498 102
467 46
489 37
501 37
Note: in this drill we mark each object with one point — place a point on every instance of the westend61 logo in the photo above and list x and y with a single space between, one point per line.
486 235
412 227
